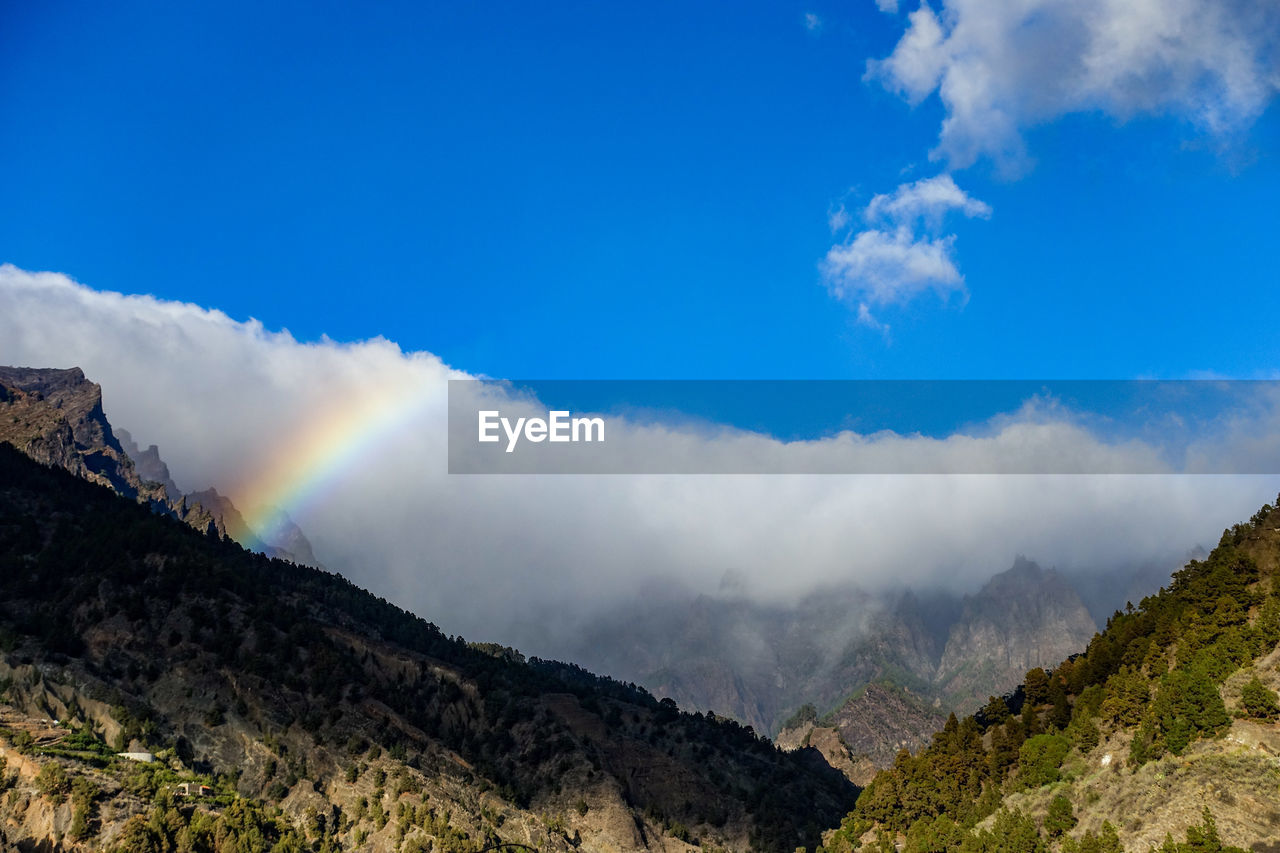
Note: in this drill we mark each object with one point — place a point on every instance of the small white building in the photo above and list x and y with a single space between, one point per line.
193 789
144 757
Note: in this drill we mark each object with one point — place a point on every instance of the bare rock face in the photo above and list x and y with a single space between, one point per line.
286 538
1023 618
858 769
883 720
56 418
148 463
867 732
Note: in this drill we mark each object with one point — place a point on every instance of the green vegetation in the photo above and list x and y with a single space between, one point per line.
1061 817
1012 832
81 745
83 798
1200 839
243 827
806 714
1039 758
1156 670
1258 701
53 782
1106 841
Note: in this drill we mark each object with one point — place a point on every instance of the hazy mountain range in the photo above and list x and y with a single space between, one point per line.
320 717
930 650
760 664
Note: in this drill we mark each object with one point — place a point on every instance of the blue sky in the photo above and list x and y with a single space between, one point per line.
599 191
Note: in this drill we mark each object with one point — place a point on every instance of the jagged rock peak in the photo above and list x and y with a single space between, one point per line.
147 462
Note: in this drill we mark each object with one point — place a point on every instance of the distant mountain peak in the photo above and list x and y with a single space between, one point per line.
1023 617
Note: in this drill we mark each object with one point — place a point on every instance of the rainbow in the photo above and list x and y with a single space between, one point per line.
307 464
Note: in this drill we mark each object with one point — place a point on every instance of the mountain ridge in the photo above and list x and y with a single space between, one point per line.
56 416
760 663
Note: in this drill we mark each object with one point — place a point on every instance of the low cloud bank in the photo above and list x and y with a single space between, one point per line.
350 437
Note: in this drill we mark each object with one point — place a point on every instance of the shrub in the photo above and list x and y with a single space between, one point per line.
1107 841
1039 759
1258 701
53 782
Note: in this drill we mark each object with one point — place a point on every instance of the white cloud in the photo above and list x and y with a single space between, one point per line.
837 218
812 22
890 6
902 255
890 267
481 555
1000 68
929 199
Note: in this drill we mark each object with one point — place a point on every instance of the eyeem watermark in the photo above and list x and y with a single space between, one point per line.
863 427
558 426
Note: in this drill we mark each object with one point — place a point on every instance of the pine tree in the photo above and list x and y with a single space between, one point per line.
1060 819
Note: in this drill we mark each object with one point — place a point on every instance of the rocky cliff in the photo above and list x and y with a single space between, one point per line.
56 417
865 733
1022 618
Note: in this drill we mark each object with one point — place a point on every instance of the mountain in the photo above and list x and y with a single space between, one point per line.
760 663
56 417
1161 734
883 669
1022 618
147 462
320 717
867 732
285 539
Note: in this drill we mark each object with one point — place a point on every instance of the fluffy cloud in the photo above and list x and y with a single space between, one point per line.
1002 67
901 255
496 557
928 200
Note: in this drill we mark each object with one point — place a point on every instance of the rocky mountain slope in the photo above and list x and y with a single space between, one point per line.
864 734
1022 618
56 417
760 664
320 717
